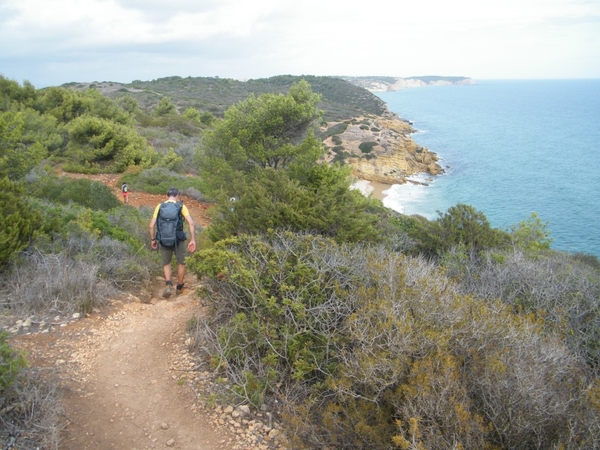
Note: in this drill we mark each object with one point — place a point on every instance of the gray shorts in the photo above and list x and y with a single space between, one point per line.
167 253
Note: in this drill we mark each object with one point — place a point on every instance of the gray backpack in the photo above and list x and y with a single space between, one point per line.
168 223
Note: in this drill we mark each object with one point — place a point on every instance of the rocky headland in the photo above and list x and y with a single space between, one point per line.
378 146
380 149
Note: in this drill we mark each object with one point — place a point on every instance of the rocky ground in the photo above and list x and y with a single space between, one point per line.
129 380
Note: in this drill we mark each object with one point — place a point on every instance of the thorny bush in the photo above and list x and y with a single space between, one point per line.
556 288
366 348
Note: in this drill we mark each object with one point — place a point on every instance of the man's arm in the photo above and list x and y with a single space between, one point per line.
153 241
152 229
192 243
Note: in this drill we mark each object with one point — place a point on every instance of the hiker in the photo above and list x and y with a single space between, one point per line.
125 191
172 237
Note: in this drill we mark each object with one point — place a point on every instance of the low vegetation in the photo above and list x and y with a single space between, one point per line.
357 326
29 407
370 348
158 180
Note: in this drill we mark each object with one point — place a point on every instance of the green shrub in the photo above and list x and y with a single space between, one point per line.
84 192
24 137
54 217
316 199
531 235
207 118
165 107
11 363
191 114
19 222
367 147
340 158
278 324
586 258
159 180
338 128
171 160
133 222
460 225
94 140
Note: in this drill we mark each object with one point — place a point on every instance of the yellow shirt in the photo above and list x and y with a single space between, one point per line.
184 210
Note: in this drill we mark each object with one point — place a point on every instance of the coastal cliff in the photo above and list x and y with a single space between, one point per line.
379 149
378 146
386 84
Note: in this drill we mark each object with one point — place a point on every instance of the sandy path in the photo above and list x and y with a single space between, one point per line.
135 394
125 378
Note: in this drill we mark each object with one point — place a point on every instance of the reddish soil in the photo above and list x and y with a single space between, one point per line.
197 209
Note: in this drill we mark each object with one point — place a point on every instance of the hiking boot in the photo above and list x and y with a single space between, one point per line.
168 291
179 289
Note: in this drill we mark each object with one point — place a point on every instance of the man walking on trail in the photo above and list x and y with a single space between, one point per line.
172 238
125 191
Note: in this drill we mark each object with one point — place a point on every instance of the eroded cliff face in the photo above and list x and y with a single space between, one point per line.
382 84
380 149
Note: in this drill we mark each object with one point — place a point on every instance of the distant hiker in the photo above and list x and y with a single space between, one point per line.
166 228
125 191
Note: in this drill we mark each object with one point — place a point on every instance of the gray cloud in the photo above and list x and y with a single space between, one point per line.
122 40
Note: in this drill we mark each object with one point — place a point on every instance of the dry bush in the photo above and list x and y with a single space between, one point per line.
117 264
30 414
53 284
454 372
72 273
556 288
365 348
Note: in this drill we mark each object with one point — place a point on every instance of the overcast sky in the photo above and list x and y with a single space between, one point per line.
51 42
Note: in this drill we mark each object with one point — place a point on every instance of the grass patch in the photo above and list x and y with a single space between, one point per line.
159 180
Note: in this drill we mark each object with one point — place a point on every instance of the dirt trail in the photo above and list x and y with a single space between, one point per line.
126 372
126 375
136 199
138 375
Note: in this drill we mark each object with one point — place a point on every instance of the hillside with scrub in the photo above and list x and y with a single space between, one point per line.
351 325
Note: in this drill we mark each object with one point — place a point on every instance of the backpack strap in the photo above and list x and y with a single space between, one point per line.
180 220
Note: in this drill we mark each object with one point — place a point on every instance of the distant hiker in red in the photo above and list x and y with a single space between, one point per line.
166 227
125 191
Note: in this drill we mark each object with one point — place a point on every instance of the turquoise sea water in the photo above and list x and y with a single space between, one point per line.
510 148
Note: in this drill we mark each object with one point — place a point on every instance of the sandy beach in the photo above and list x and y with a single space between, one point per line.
372 188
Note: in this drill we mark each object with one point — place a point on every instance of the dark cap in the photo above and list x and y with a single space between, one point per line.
173 192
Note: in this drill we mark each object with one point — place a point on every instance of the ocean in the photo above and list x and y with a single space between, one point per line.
509 148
